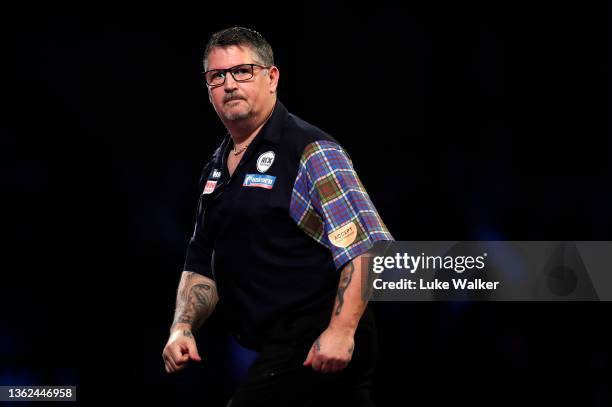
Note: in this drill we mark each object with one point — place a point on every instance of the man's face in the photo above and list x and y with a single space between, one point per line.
234 101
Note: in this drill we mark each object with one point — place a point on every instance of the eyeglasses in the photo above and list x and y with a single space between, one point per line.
240 73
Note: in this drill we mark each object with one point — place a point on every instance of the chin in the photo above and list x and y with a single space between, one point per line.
238 114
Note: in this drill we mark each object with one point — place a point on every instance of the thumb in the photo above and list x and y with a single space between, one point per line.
193 353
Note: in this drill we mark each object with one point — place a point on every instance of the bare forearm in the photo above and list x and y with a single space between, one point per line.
350 303
195 301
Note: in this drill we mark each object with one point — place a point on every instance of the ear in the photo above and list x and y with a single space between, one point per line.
209 94
274 75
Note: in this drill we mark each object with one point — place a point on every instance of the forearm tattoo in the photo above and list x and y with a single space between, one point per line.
345 280
195 301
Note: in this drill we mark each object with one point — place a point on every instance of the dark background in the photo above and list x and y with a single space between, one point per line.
481 122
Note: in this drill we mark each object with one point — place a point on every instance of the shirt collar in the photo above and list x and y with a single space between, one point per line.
273 129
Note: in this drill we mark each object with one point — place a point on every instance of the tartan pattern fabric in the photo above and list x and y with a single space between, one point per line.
328 195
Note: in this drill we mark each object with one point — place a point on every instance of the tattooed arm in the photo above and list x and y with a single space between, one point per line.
195 301
333 349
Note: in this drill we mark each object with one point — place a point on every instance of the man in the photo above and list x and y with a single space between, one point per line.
282 229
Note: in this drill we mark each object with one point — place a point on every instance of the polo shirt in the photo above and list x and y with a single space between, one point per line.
275 234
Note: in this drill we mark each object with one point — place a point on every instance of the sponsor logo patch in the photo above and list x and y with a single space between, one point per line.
259 180
216 174
209 187
264 162
344 235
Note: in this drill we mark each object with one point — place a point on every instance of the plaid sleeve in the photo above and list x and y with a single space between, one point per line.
330 204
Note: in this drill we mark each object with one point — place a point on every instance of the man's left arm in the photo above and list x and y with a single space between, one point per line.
330 203
333 349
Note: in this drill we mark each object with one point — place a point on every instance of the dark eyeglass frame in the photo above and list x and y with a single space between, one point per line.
226 70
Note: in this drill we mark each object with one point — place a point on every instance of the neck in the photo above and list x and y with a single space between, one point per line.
244 131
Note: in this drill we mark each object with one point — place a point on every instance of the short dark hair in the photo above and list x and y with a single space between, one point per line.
241 36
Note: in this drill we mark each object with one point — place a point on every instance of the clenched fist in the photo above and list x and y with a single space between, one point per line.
331 352
180 349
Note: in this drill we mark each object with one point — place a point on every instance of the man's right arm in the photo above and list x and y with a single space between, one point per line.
195 301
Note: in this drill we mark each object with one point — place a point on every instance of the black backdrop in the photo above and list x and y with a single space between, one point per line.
477 122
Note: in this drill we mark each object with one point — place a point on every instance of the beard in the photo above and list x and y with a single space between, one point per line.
237 109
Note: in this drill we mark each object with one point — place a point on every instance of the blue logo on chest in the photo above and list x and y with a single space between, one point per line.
259 180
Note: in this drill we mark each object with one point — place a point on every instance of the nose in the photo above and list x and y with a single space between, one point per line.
230 84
